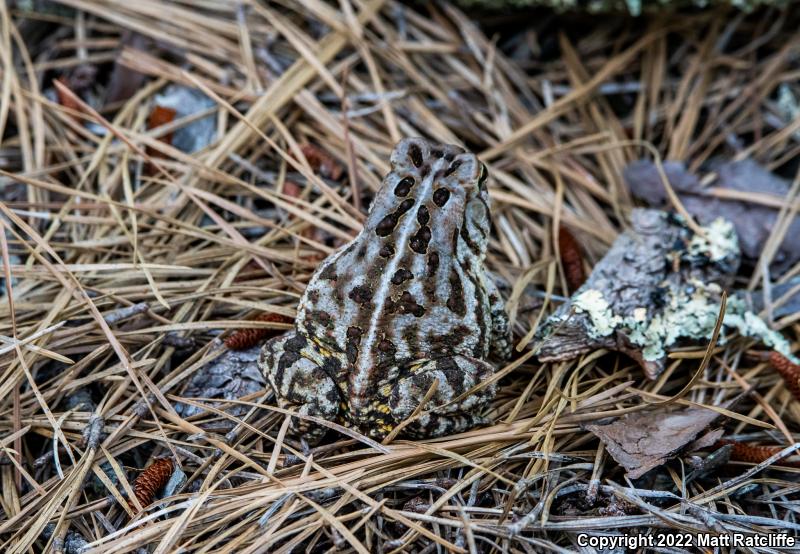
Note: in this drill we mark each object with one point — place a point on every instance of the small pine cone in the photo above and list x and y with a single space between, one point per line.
754 453
162 115
788 370
292 189
152 480
245 338
571 258
322 162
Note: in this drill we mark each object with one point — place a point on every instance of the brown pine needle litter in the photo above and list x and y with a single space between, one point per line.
132 241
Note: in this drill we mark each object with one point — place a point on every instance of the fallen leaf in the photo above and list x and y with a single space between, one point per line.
641 441
124 81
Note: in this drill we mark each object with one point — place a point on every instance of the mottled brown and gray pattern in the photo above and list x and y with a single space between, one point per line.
405 303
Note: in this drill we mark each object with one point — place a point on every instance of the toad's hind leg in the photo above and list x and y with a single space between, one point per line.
500 345
300 384
456 375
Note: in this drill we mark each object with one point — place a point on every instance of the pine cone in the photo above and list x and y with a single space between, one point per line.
754 453
322 162
571 258
245 338
788 370
152 480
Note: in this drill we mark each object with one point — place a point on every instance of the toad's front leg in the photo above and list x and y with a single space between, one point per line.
292 367
456 375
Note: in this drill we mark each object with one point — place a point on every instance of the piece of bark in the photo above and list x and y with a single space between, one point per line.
753 222
789 306
74 542
641 441
659 285
711 463
631 285
124 81
706 439
232 375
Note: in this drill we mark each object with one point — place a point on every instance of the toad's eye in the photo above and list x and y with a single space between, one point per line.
483 178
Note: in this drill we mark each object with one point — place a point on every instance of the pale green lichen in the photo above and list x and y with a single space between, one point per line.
689 311
591 302
693 316
749 324
634 7
719 243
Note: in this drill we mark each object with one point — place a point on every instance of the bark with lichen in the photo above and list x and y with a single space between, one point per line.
660 284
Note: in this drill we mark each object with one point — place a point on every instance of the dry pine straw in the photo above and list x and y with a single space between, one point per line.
111 217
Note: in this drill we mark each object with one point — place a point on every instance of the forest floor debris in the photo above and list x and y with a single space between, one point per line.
130 257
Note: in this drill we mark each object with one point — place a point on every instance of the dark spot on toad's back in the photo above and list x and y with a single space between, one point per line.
433 263
468 239
420 240
351 346
409 306
386 347
456 301
386 225
423 216
329 273
389 222
295 344
401 275
323 317
404 206
446 364
415 154
453 167
404 186
441 196
361 294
